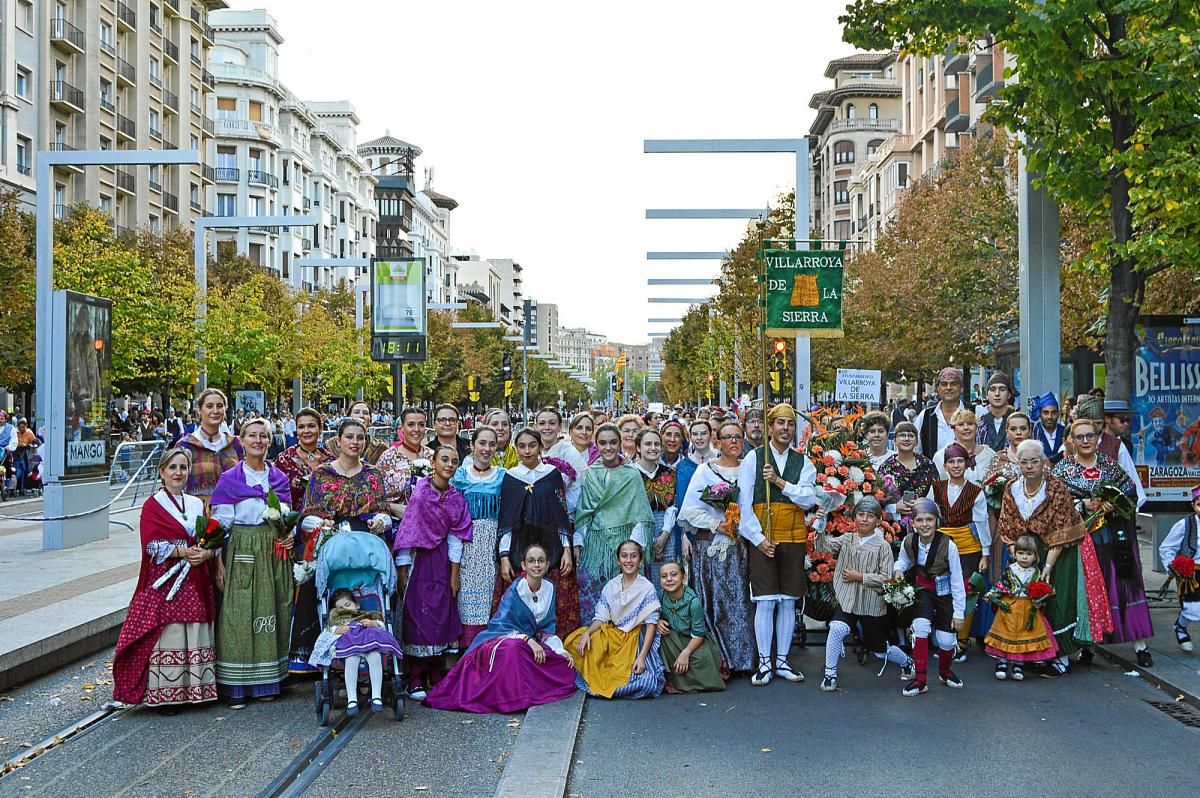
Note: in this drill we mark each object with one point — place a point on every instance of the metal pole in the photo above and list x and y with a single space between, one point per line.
803 379
762 354
1038 285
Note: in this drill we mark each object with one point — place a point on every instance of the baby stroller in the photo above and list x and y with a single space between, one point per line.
362 563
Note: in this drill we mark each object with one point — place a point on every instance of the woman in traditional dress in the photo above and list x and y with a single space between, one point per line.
673 436
629 426
346 490
299 461
617 655
613 508
533 509
966 428
560 454
719 566
875 427
396 464
1040 504
906 476
213 452
1085 472
518 661
582 429
165 654
480 482
253 630
429 544
506 454
374 449
659 483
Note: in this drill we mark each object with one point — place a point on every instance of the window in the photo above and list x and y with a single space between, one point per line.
873 111
194 48
106 94
225 204
154 129
24 79
286 164
226 107
60 134
194 193
154 74
843 152
901 175
194 141
106 205
255 164
24 150
842 231
106 38
850 111
154 225
841 193
155 19
25 15
196 100
256 206
226 158
256 111
873 145
105 143
256 253
342 211
154 181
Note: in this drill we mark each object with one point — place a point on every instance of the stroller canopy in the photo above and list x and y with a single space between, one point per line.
354 560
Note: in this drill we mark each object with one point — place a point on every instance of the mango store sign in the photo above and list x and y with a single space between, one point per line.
862 386
85 453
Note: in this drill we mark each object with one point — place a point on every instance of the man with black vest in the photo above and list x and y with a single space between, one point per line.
933 423
776 561
999 397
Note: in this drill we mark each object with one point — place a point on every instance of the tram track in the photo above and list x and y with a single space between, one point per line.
110 712
306 766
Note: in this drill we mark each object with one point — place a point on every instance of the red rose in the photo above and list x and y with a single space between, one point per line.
1039 590
1184 567
1091 473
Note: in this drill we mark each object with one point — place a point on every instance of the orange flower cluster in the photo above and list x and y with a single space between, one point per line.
823 565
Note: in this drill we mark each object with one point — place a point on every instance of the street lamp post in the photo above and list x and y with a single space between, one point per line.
87 500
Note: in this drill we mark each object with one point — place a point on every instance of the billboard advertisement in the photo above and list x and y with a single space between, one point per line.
1165 404
398 297
88 382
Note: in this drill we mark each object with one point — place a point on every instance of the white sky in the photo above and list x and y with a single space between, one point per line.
533 113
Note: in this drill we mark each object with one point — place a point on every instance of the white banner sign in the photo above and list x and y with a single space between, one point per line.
858 385
85 453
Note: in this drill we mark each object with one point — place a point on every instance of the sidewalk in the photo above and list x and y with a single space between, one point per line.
57 606
1175 671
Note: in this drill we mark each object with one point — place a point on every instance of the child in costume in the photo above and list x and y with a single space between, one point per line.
352 635
693 664
929 560
1019 632
1178 555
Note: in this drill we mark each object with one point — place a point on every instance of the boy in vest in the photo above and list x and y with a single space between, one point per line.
776 561
929 561
1182 540
963 510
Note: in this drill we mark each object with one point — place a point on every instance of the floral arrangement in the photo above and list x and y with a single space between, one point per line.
306 569
1184 569
843 467
994 486
1121 504
822 564
564 468
281 517
899 593
209 535
419 468
1008 588
724 496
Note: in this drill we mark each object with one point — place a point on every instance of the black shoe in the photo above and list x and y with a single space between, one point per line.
1001 670
237 703
377 705
167 711
1018 675
1055 669
915 687
1183 638
352 709
1086 656
950 680
1144 660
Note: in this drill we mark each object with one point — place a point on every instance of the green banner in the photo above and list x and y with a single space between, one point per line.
804 293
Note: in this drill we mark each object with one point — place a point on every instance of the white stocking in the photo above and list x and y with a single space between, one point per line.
351 664
764 626
835 647
785 627
375 666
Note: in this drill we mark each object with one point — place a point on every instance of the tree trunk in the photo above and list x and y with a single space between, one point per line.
1126 283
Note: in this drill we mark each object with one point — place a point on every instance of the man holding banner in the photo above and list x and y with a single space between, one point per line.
776 561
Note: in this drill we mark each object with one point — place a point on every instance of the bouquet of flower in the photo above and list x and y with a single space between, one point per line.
994 486
281 517
821 565
419 468
724 497
843 466
209 535
1121 504
1184 569
306 569
1039 593
899 593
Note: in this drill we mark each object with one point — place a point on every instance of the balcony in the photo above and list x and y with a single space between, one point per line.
126 17
155 185
227 174
262 178
155 80
125 182
66 36
171 202
59 146
208 174
124 232
25 169
196 60
305 244
196 14
956 61
209 127
172 6
155 27
195 206
208 80
107 104
307 205
126 72
171 101
171 50
156 134
988 83
62 211
209 34
247 129
247 75
126 127
107 47
167 144
66 97
883 125
957 119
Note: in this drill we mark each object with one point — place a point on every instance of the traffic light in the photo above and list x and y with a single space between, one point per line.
620 384
506 366
612 383
709 389
776 381
473 387
508 388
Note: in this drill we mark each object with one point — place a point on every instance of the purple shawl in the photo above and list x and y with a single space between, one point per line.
232 487
432 515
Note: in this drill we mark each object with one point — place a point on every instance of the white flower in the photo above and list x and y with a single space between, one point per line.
303 571
420 463
836 456
272 514
856 474
834 482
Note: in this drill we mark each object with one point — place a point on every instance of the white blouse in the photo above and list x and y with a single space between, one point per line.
540 604
248 512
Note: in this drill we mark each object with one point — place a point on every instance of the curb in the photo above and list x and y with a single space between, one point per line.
36 659
1151 677
540 763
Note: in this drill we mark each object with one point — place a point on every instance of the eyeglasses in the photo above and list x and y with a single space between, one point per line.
446 419
905 435
1029 462
536 560
1085 437
1120 419
730 438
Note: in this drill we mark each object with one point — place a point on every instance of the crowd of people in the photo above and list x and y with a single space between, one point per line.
633 555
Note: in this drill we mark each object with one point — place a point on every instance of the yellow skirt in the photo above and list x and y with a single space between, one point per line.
606 665
963 539
1008 634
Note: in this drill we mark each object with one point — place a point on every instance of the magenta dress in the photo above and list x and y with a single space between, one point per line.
498 673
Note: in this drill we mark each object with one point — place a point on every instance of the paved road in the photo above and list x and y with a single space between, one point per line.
1091 733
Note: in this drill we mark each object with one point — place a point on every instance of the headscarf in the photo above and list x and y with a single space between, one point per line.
926 505
950 374
781 410
869 504
1045 400
957 450
1196 493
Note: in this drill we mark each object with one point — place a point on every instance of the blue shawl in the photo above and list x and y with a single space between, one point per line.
514 616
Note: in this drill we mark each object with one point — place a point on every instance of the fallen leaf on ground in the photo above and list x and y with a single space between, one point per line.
296 746
466 722
767 750
422 788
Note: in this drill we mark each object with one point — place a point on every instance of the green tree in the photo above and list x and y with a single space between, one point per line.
18 297
1106 100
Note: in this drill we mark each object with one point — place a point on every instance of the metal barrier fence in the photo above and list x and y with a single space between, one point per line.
134 469
380 433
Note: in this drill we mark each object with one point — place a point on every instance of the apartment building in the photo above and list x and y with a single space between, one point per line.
393 162
430 236
853 120
943 99
544 321
108 74
275 154
575 347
